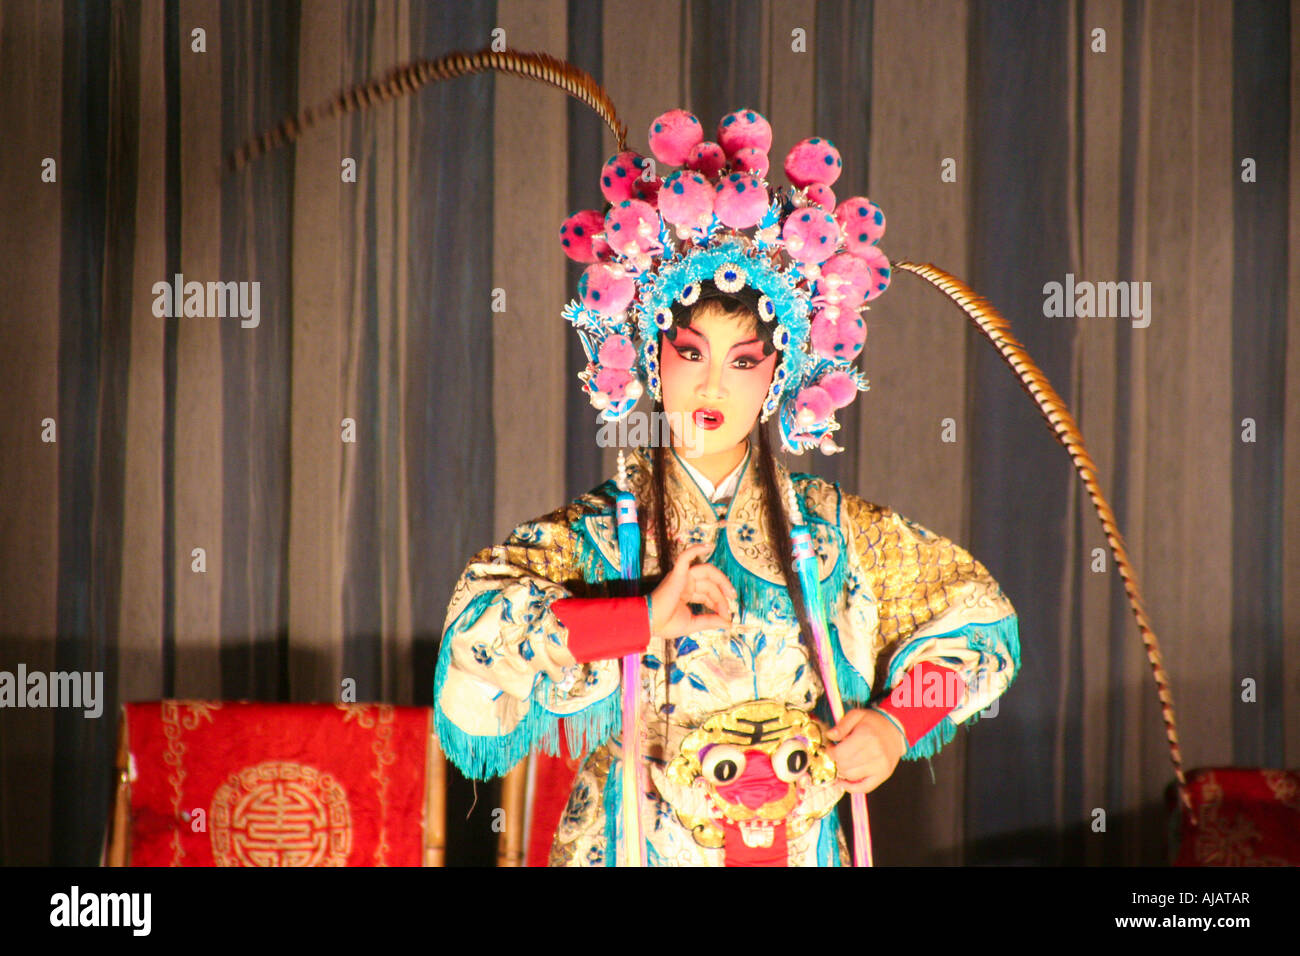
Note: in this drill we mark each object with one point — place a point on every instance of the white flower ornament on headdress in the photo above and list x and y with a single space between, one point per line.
814 265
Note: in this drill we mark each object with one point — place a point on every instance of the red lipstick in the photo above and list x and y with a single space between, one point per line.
709 418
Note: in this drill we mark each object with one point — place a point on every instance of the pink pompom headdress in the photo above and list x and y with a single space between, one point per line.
813 263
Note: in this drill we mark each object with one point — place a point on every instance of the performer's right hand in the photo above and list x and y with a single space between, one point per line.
688 584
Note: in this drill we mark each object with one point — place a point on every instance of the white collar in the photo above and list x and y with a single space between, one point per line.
725 488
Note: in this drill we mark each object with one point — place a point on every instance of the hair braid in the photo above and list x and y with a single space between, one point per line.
778 522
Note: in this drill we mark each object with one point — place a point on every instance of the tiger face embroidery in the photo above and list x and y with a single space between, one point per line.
750 778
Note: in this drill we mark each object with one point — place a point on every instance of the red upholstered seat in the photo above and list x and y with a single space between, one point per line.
249 784
1245 817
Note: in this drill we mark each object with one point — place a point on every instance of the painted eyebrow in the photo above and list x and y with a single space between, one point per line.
686 328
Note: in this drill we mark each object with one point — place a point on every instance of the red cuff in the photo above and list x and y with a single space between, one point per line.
604 628
921 701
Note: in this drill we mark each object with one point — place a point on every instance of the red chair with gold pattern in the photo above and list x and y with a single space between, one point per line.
1244 817
212 783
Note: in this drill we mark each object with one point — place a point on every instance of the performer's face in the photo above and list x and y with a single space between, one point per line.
714 379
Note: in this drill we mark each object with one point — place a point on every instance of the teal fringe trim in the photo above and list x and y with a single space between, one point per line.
828 839
758 594
585 730
982 637
985 637
855 690
935 740
479 756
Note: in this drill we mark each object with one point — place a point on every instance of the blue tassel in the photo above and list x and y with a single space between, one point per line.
629 536
629 561
854 687
613 818
807 570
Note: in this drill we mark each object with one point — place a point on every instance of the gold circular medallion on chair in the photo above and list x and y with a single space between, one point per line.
280 813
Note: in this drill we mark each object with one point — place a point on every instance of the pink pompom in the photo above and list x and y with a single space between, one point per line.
814 160
686 199
673 135
707 158
812 404
841 388
810 235
824 335
863 223
822 195
852 335
844 281
751 160
617 351
740 201
647 190
606 288
618 178
613 382
878 263
744 129
576 233
632 227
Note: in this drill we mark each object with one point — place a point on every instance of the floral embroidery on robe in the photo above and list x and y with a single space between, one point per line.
898 595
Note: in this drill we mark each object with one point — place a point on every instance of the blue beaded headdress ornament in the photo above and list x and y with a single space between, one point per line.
813 264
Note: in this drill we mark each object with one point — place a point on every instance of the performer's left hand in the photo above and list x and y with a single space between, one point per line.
866 747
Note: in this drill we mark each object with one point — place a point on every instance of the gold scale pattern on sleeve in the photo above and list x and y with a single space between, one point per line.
544 548
912 571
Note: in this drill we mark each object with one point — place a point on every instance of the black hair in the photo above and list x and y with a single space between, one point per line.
656 522
742 301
